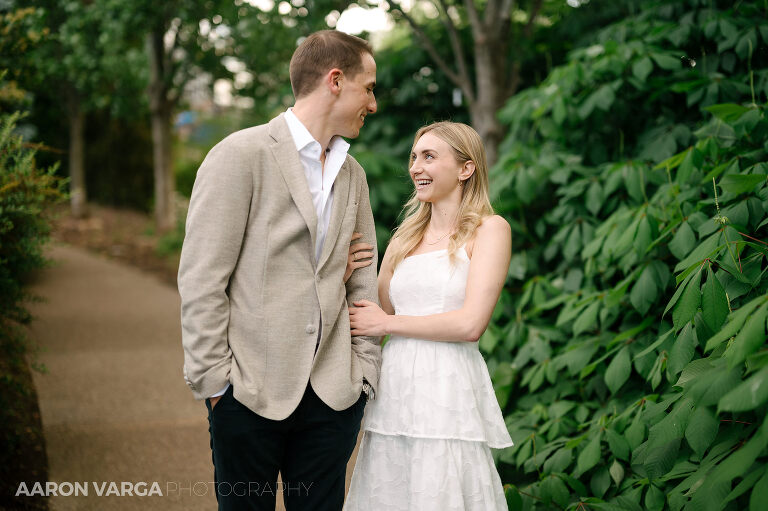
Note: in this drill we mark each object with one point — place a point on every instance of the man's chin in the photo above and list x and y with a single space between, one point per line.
351 133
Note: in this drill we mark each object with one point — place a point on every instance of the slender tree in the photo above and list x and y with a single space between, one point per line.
483 58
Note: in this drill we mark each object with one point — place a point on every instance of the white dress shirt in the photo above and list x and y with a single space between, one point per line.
320 178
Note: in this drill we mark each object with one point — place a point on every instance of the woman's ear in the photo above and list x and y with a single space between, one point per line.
467 170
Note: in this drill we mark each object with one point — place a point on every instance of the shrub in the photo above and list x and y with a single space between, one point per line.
631 362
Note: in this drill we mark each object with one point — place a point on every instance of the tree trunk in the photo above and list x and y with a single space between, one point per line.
165 208
491 80
161 109
77 190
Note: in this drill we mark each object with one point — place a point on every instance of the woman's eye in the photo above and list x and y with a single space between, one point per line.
428 157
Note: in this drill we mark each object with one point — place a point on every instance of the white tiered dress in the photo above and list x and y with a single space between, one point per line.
429 431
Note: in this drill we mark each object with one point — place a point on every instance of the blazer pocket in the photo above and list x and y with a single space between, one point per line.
248 340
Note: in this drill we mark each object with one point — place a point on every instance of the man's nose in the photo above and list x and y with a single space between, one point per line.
372 106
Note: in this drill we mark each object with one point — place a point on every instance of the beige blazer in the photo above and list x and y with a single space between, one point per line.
252 296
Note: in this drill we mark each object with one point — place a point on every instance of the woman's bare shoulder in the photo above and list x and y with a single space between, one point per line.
493 225
493 228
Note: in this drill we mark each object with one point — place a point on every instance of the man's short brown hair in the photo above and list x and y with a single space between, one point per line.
321 52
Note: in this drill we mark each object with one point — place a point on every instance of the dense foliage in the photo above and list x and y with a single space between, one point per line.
24 191
631 359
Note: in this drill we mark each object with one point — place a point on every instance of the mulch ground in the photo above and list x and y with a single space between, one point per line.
121 234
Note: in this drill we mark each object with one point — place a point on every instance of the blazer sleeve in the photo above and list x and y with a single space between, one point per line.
362 285
215 227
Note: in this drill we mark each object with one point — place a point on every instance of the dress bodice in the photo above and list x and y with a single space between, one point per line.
429 283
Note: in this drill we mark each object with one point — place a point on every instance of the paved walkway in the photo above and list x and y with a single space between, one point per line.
114 405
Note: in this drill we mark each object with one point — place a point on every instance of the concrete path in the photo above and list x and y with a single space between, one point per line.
114 405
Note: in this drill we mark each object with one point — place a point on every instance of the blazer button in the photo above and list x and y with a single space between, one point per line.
310 329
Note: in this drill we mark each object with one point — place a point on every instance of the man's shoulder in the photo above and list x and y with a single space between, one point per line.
245 139
354 165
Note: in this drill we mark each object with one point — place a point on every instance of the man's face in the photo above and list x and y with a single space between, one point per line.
356 99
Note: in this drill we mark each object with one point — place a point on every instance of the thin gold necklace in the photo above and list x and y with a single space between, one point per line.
438 240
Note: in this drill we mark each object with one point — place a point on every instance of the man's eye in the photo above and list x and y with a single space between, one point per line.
428 156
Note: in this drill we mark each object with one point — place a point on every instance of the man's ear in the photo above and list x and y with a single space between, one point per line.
334 80
467 170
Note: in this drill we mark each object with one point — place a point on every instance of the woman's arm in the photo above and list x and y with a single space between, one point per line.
487 273
385 276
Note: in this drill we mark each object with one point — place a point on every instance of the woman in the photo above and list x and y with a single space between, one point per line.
429 431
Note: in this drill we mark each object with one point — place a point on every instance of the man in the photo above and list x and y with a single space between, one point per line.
265 326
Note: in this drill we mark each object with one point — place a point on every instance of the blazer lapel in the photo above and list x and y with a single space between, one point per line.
287 157
340 203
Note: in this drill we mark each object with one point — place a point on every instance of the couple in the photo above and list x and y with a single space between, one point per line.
266 276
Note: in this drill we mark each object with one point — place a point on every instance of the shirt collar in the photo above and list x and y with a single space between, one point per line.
303 138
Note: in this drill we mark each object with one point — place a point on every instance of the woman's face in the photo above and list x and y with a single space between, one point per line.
434 169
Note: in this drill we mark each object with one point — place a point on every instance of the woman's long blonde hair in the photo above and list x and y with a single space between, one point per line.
475 204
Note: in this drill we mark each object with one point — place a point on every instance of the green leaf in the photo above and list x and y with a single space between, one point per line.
737 319
573 243
714 303
682 351
632 332
642 68
751 337
618 444
644 292
671 162
727 112
683 241
656 343
635 433
633 180
600 482
643 238
661 459
740 460
555 488
666 62
672 426
678 292
592 247
745 485
618 370
748 395
514 500
685 309
654 499
588 318
617 472
693 371
759 495
559 461
589 457
692 162
705 249
702 430
741 183
594 197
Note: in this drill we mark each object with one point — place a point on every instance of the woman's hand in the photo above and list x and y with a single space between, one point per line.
367 318
360 255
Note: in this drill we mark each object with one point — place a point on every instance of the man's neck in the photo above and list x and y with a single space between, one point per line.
315 119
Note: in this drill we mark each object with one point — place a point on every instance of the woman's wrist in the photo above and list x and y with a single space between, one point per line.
388 324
